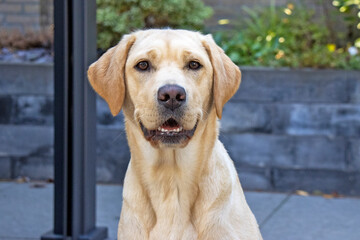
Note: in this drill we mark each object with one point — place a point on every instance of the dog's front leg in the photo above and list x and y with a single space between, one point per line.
137 215
130 226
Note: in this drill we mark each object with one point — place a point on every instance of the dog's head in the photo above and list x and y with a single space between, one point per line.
167 81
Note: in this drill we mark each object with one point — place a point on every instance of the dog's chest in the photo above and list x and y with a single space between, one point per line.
172 198
173 217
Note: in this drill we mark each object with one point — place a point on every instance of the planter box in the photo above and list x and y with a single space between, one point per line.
285 129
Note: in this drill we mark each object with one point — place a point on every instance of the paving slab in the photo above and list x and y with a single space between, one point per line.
5 184
108 205
309 218
26 212
263 204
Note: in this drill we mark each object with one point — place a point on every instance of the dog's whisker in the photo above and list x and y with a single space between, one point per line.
121 133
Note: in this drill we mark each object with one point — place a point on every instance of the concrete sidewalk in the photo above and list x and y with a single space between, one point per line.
26 212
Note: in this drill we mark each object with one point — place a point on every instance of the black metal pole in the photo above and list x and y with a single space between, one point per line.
75 123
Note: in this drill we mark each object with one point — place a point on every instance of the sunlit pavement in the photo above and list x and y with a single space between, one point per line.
26 212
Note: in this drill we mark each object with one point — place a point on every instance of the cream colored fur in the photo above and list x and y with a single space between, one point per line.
187 191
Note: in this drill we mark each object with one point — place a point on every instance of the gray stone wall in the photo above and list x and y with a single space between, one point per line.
296 129
284 129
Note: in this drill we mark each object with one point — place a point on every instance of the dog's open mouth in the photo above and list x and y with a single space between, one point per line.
170 127
170 132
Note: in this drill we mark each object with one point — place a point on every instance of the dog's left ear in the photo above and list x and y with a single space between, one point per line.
107 75
227 75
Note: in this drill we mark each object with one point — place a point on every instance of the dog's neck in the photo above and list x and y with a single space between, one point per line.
165 173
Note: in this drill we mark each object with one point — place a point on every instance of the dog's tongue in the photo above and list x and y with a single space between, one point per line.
170 125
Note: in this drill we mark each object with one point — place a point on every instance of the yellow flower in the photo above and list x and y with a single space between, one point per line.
331 47
358 26
223 21
281 39
287 11
291 6
336 3
357 43
268 38
280 54
343 9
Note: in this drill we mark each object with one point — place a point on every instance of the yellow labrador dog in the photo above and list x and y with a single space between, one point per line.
180 182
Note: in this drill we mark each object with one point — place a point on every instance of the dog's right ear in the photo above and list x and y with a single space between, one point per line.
107 74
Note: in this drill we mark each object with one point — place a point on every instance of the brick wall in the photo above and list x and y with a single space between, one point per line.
26 15
284 129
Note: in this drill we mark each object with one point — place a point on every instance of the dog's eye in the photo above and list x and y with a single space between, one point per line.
142 66
194 65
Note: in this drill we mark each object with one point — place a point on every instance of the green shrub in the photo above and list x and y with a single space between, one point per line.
284 36
350 9
117 17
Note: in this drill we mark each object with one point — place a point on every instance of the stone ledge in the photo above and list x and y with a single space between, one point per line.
318 119
40 168
353 154
265 151
247 117
7 108
255 178
298 85
113 155
9 8
22 141
5 168
312 180
26 78
28 151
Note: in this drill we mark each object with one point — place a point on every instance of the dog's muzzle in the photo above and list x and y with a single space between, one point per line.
169 133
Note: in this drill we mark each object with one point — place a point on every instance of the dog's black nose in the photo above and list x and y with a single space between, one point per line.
171 96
